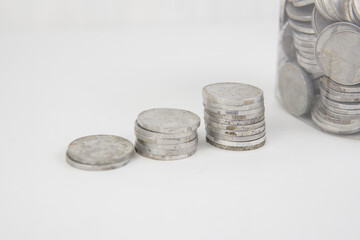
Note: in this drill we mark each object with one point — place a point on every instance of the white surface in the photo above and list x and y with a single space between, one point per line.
58 86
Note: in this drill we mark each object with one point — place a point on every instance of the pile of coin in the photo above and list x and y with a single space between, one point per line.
320 40
234 116
99 152
166 134
338 109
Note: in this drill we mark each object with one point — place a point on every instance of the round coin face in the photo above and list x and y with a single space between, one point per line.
168 120
100 152
232 93
337 52
296 89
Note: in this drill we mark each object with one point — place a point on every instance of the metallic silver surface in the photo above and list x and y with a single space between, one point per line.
303 14
287 42
230 93
296 89
225 126
337 52
168 120
177 146
99 152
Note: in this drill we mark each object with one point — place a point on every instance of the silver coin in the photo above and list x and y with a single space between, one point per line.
337 52
296 89
305 60
352 13
169 120
342 111
218 136
333 127
313 69
307 55
165 152
236 133
304 36
236 94
164 136
95 167
164 157
287 42
334 118
302 3
304 27
319 22
208 117
307 44
100 152
253 112
235 117
341 105
225 107
356 10
300 13
304 49
235 128
341 9
328 83
339 96
351 118
178 146
241 145
165 141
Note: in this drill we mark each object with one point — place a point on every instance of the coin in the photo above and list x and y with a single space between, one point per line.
212 105
300 13
236 146
208 117
231 93
176 146
247 127
164 157
236 132
303 27
340 87
287 42
337 52
296 89
165 152
165 141
164 136
168 120
99 152
258 114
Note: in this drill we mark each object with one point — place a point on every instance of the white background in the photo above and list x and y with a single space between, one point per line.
75 68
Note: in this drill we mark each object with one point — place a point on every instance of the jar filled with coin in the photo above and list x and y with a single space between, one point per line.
319 62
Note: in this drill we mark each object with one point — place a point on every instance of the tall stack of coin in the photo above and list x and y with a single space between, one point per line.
166 134
234 116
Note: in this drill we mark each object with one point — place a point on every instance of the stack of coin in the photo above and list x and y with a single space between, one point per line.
99 152
338 109
300 15
234 116
166 134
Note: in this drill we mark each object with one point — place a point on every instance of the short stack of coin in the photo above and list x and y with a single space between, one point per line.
166 134
338 109
99 152
234 116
